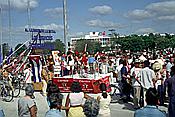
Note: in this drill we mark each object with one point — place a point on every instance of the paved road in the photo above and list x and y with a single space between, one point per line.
117 110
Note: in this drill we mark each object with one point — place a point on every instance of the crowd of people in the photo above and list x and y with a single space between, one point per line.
146 79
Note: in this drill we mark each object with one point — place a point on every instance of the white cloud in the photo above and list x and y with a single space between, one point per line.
103 24
77 34
54 12
19 4
144 30
139 14
162 8
52 26
172 17
101 10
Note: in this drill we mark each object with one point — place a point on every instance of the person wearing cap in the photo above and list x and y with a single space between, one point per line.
151 109
26 105
157 67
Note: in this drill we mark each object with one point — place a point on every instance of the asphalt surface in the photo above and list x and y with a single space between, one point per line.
117 109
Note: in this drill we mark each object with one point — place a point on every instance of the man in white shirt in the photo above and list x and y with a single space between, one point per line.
147 77
28 74
118 69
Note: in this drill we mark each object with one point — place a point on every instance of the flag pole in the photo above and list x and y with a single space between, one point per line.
29 13
10 23
65 23
1 33
29 17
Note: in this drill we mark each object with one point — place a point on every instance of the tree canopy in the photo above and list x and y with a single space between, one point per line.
91 46
147 42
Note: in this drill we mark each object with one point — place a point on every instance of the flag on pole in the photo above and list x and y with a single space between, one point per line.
36 67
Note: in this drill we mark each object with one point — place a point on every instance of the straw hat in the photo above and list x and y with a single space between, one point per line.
157 66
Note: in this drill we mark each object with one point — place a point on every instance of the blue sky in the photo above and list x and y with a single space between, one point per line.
125 16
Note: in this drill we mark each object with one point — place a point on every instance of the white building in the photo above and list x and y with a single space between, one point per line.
93 36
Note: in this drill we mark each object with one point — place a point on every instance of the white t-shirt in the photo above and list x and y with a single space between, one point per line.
76 98
136 71
104 105
28 75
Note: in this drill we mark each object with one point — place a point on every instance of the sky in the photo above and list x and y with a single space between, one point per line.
83 16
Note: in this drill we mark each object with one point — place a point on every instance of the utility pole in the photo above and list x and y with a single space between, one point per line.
10 23
1 52
29 18
65 23
29 13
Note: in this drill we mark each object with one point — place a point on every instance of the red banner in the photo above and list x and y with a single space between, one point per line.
88 85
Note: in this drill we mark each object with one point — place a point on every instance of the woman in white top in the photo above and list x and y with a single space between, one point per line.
104 101
75 100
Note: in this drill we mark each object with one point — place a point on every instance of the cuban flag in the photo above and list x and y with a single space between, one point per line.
36 67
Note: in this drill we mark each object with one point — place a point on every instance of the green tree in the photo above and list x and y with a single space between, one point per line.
5 49
91 46
59 45
20 50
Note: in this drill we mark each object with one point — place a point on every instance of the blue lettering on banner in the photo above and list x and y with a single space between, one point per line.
42 46
39 30
42 38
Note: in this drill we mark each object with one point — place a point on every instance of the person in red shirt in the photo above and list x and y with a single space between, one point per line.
84 59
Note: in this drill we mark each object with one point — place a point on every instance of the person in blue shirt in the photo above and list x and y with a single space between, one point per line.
91 61
151 109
